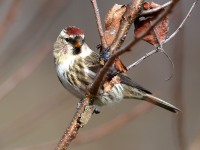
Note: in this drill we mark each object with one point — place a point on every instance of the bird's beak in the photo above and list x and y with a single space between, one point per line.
78 44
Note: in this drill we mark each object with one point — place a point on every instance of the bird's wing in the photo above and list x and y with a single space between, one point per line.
128 81
92 62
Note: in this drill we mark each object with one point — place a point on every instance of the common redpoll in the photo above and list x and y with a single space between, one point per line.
77 65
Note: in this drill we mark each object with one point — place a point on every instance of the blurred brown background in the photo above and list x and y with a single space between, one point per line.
35 109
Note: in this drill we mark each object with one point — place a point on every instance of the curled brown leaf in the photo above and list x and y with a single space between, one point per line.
161 29
112 23
120 66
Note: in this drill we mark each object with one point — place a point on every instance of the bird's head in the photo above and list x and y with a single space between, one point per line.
69 42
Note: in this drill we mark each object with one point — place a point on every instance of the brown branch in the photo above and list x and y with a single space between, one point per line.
99 24
104 129
166 12
74 126
182 23
103 71
10 17
142 58
130 14
164 42
23 72
128 18
154 10
113 125
161 49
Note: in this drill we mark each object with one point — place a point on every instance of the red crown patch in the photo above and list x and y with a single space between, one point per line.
73 30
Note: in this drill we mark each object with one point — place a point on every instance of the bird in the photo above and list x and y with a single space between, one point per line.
77 66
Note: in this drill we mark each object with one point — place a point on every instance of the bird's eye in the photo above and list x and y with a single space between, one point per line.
67 39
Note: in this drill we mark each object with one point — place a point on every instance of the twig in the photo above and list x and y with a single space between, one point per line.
167 11
142 58
127 19
130 14
113 125
99 24
102 72
172 63
182 23
104 129
74 126
154 10
167 40
160 47
23 72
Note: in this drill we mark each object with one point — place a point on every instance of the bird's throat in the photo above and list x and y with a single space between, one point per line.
77 51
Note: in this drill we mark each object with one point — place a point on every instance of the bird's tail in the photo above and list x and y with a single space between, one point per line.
159 102
131 93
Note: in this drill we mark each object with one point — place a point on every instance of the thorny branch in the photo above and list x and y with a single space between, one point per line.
130 14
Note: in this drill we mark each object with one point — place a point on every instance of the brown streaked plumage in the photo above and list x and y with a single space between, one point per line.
77 65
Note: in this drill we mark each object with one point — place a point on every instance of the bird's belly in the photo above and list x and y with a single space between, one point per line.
71 89
103 98
111 97
67 85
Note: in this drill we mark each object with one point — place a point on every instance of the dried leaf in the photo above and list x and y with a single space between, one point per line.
112 22
161 28
120 66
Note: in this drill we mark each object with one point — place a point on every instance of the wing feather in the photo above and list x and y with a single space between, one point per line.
92 62
128 81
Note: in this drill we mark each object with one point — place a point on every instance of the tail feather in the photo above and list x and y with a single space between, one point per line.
130 93
159 102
